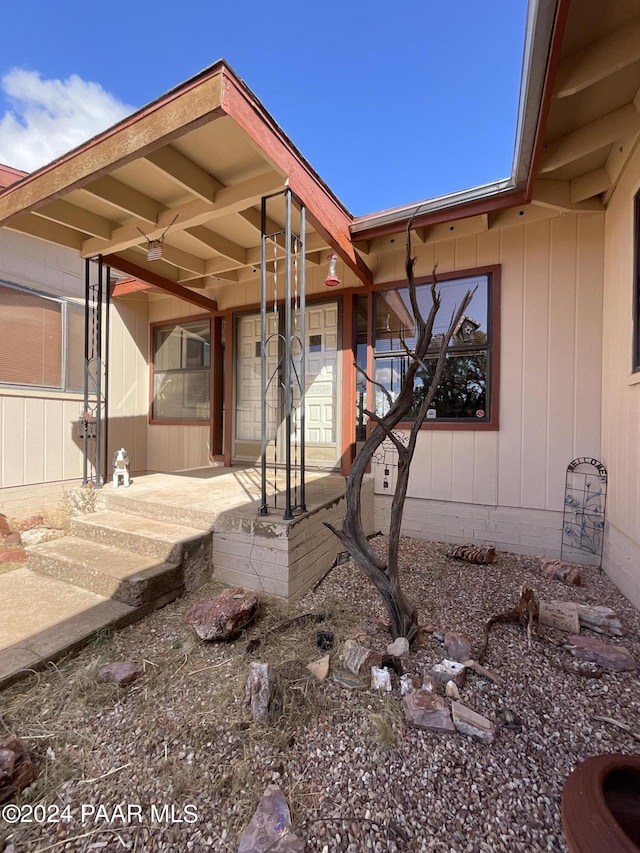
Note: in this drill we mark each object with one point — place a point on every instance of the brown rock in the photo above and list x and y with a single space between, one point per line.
13 555
11 540
319 668
257 692
457 646
427 711
470 723
270 827
616 658
222 617
16 768
357 658
5 527
602 620
120 672
32 521
568 573
562 615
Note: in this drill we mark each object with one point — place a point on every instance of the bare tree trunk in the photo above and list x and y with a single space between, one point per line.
384 574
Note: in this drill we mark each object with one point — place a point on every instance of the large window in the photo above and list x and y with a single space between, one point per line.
181 371
468 391
41 340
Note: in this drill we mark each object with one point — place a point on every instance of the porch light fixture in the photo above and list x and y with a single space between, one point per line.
332 279
154 247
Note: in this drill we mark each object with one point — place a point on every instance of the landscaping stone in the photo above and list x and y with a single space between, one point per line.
473 724
358 658
380 679
481 670
32 521
11 540
568 573
562 615
602 620
457 646
5 527
35 535
319 668
399 647
451 690
258 691
270 827
616 658
13 555
406 684
222 617
16 768
429 683
120 672
450 670
346 678
427 711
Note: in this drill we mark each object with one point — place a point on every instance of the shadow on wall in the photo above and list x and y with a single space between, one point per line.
130 433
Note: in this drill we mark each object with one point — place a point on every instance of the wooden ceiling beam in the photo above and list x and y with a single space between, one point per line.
125 288
229 200
618 158
591 137
125 265
557 194
125 198
178 258
589 185
184 172
254 218
599 60
219 244
84 221
44 229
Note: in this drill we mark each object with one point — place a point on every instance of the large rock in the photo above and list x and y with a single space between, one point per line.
398 648
559 570
5 527
457 646
450 670
32 521
471 723
319 668
602 620
616 658
13 555
222 617
120 672
258 691
357 658
427 711
270 827
16 768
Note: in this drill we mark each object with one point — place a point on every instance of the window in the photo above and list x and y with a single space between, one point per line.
41 340
181 370
468 391
635 366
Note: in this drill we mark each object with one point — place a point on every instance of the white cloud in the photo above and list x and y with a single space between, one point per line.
49 117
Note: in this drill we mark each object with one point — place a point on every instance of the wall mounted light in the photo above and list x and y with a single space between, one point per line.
332 279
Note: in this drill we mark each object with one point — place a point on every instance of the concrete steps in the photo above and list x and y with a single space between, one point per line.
165 507
130 558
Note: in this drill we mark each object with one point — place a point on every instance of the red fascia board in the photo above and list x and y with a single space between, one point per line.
325 212
131 285
9 175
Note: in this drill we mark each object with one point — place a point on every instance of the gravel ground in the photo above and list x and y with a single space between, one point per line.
357 778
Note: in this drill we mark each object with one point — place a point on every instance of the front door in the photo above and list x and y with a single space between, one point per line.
322 387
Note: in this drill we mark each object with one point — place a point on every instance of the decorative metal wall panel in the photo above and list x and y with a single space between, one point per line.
585 502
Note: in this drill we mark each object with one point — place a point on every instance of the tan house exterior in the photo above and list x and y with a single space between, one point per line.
558 240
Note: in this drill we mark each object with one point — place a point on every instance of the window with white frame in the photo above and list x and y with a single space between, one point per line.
41 340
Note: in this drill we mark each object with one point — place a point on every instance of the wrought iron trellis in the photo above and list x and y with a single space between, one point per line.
386 457
585 503
283 383
93 421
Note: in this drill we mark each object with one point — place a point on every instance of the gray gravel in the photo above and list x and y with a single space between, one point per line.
356 777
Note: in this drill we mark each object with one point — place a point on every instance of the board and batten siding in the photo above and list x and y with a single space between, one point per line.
621 389
507 486
172 447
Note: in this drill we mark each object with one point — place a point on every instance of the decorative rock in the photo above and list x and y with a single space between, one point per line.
451 690
13 555
399 647
568 573
346 678
16 768
427 711
474 553
120 672
257 692
450 670
356 657
457 646
562 615
270 827
380 679
470 723
616 658
32 521
319 668
602 620
406 685
35 535
428 683
5 527
11 540
223 616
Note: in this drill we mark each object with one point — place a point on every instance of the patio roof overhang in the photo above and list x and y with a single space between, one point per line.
196 162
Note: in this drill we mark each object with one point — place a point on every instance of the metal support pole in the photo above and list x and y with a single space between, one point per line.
288 514
263 354
106 374
303 350
98 364
85 388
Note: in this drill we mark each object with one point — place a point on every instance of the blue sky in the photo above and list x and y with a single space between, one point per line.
390 103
